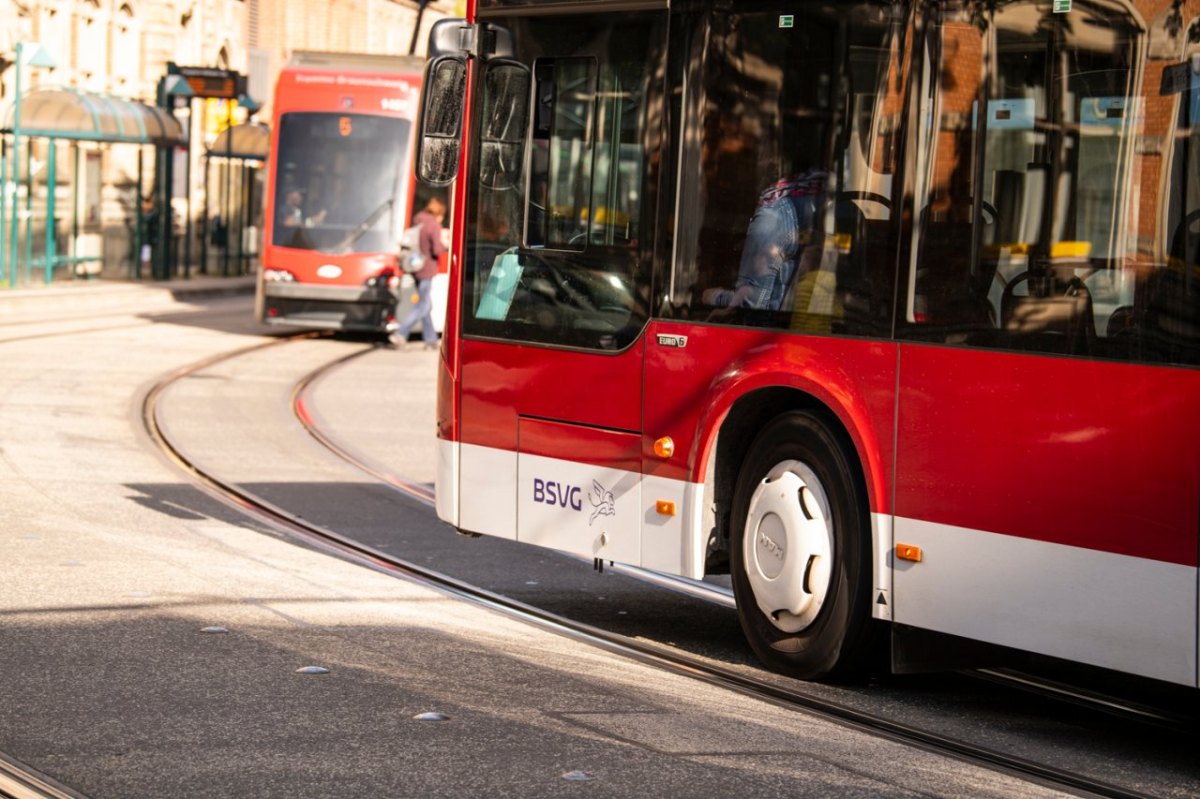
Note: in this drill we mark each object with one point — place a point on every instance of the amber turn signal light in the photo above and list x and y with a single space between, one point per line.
908 552
665 507
664 447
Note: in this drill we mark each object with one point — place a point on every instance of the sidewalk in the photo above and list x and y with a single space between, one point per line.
72 297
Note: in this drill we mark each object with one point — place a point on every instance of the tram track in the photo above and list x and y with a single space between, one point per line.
651 653
18 781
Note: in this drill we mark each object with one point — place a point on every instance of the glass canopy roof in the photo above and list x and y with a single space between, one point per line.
66 113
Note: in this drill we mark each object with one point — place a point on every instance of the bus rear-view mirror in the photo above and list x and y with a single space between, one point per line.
458 37
442 100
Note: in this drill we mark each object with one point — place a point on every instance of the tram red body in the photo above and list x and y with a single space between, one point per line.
329 280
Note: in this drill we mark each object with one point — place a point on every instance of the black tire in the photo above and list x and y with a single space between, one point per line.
812 529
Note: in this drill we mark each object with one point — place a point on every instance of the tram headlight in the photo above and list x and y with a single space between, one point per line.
278 276
384 278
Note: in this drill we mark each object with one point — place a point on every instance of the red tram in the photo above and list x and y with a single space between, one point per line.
340 193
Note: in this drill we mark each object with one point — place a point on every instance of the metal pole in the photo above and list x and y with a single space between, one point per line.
139 220
412 45
207 231
226 217
27 265
229 166
224 178
75 214
247 194
16 166
5 277
156 189
166 214
187 240
51 188
163 178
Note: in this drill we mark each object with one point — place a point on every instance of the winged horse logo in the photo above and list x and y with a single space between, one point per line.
603 502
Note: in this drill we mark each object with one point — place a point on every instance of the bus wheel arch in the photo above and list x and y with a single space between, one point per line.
745 417
793 498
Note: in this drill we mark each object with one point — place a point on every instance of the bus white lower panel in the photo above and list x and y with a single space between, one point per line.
673 543
565 505
1109 610
487 491
579 508
881 597
446 482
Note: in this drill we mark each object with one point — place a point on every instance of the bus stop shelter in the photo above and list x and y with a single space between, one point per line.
30 212
233 226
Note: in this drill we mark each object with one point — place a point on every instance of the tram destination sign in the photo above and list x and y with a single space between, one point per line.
211 82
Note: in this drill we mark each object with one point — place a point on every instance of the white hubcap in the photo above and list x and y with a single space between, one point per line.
788 546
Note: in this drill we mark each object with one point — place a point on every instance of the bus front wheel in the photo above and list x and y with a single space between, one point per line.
800 552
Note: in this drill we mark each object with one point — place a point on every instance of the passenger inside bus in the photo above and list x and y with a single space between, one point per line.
783 244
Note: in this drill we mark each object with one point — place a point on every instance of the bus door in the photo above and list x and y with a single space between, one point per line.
556 277
1048 445
779 258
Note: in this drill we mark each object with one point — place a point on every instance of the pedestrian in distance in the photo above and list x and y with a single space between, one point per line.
430 246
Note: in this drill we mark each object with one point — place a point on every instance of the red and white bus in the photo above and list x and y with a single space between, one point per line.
340 193
890 309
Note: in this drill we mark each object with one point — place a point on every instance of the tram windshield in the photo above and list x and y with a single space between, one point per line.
338 185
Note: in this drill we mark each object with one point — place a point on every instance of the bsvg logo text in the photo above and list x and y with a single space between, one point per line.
552 492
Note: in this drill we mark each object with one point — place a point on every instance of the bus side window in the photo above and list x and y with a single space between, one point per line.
504 118
1038 143
945 293
561 154
1163 322
795 173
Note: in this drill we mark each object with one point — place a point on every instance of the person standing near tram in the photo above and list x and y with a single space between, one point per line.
430 245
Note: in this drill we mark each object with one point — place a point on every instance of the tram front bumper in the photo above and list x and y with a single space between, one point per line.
357 308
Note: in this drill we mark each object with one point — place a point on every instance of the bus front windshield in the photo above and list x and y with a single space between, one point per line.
339 184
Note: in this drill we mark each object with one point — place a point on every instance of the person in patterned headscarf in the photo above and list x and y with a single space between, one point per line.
781 239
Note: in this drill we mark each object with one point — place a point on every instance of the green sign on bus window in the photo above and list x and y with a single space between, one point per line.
1062 6
786 20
